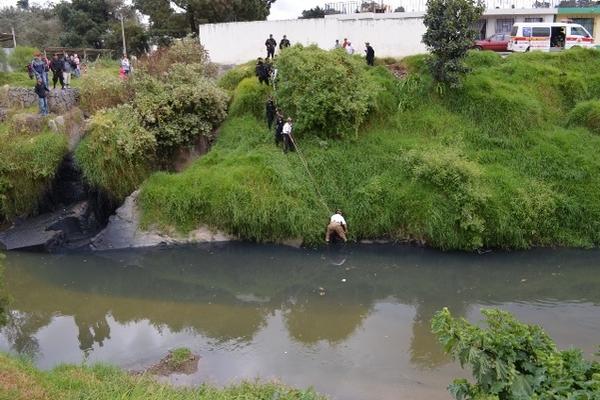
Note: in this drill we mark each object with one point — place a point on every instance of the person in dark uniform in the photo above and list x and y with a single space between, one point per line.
271 111
370 54
279 122
284 43
271 44
261 71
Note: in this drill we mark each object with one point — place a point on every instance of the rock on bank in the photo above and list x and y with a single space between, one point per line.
124 232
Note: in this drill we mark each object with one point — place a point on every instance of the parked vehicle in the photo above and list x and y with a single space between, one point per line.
497 42
541 36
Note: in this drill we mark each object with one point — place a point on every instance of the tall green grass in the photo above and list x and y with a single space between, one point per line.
494 164
28 164
20 380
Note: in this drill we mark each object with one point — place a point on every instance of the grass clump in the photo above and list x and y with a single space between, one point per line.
232 78
488 165
101 91
28 163
586 114
117 154
250 97
20 380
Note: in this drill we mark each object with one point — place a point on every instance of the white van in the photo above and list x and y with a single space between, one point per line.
541 36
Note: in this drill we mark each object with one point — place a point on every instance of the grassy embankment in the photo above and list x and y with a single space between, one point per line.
509 161
29 152
20 380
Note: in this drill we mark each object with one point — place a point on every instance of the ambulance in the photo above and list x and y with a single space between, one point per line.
541 36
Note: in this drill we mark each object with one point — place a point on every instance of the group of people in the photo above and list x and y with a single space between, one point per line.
265 71
347 46
63 66
271 45
283 126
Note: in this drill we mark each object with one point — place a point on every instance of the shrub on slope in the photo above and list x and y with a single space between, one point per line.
28 164
118 153
327 93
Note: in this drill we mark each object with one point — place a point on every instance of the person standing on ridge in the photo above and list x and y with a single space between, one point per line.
56 66
125 65
39 68
286 132
349 49
42 91
337 225
337 44
271 111
279 123
346 43
271 44
370 54
67 70
284 43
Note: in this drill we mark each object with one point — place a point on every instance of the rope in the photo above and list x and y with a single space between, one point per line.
314 181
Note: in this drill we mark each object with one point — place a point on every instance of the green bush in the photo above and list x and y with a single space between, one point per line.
232 78
20 57
511 360
27 167
117 154
586 114
250 97
179 107
100 91
327 93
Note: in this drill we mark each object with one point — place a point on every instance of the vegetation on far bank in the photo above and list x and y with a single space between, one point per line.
507 161
20 380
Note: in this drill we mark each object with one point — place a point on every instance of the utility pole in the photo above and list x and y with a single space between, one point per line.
123 34
14 37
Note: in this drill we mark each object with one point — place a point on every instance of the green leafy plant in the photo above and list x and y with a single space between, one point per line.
449 36
118 153
513 361
586 114
327 93
178 357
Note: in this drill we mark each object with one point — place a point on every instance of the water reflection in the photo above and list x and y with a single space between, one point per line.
290 313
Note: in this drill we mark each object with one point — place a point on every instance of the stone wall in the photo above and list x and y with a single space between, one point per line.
59 101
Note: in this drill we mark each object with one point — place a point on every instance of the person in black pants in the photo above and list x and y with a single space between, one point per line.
56 66
370 54
271 111
279 122
271 44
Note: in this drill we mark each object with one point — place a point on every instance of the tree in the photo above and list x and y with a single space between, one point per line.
449 36
23 4
34 27
513 361
87 22
317 12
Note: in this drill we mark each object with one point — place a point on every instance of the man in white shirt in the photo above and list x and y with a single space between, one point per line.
337 225
287 136
349 49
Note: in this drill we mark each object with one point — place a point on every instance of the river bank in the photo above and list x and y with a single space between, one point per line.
20 380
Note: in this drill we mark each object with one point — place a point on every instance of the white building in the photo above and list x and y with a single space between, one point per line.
391 34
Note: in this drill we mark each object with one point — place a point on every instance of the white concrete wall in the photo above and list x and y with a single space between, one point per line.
238 42
392 34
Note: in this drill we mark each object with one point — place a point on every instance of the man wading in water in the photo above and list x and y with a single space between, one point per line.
337 225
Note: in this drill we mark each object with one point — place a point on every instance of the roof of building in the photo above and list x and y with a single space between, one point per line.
579 10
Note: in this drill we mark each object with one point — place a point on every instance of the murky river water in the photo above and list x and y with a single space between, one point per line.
352 323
